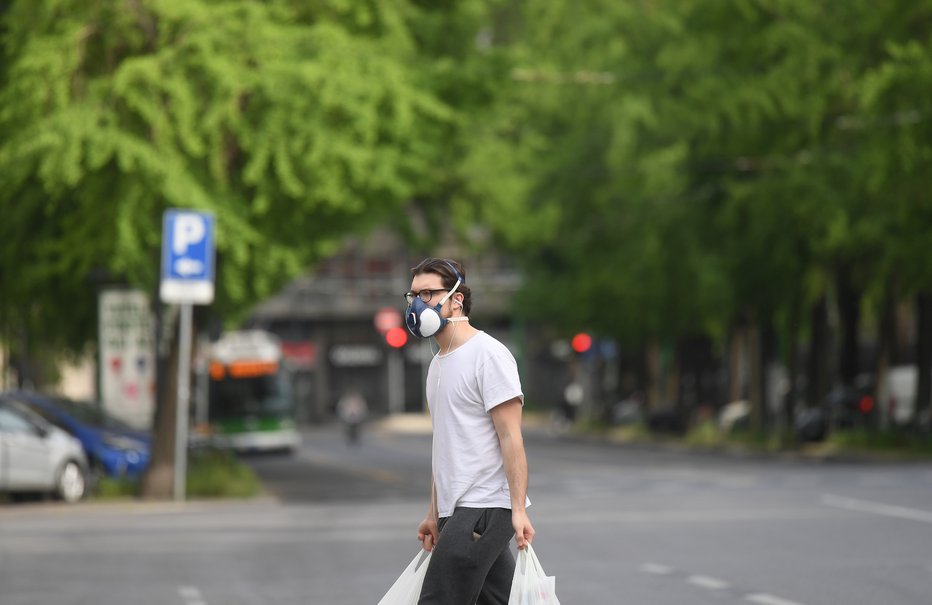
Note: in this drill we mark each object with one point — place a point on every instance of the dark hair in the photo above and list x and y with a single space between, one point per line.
447 270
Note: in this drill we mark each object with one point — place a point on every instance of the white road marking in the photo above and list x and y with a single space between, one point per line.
877 508
711 583
657 569
708 582
768 599
191 595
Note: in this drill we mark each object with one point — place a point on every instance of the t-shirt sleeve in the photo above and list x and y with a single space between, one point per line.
498 378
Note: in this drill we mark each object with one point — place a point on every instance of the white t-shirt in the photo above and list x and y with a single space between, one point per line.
462 388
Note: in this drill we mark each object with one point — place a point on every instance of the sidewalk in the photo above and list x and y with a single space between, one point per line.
405 424
824 452
419 423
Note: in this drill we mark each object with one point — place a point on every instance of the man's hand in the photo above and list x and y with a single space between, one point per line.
428 533
524 531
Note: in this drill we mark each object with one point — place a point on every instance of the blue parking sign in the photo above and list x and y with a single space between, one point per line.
187 257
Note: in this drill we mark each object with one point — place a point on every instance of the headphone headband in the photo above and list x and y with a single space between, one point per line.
450 264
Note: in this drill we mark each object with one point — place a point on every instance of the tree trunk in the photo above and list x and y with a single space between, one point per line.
817 366
792 364
766 352
652 353
923 356
737 361
756 376
886 339
158 480
672 382
849 308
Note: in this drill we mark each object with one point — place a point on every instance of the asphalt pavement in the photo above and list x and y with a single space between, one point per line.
616 524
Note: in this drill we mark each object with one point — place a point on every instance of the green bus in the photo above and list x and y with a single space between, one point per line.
251 404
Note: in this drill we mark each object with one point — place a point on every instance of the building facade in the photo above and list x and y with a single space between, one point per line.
327 321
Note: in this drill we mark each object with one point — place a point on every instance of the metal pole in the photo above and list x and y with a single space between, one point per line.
396 381
184 393
426 356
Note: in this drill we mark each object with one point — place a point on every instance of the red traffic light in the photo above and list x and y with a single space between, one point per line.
396 337
581 343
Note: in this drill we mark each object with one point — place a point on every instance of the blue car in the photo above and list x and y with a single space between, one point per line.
113 448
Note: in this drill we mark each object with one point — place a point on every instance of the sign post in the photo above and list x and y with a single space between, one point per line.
187 279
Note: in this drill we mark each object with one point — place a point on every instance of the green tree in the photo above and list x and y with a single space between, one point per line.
894 159
291 125
667 168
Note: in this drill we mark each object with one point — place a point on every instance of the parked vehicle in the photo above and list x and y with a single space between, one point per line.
37 457
113 448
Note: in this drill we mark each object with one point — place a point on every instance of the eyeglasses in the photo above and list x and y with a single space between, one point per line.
424 295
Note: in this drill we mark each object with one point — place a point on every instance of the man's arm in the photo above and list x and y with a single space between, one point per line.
507 420
427 531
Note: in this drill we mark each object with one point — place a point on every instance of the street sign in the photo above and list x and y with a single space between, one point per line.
126 347
187 257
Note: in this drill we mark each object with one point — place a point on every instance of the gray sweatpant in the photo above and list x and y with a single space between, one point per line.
471 563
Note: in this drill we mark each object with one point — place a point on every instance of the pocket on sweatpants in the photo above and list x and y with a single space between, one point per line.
482 523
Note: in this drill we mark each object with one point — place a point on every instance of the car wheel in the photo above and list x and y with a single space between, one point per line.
72 482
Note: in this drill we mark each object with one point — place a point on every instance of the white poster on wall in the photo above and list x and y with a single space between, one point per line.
127 356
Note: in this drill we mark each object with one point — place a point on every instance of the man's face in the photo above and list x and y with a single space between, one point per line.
430 287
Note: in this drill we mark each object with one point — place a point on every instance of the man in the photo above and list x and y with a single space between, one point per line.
353 411
479 488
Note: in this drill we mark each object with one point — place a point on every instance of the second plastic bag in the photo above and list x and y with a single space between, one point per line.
407 588
530 585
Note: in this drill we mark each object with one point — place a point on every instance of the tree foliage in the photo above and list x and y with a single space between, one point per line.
292 123
661 169
666 168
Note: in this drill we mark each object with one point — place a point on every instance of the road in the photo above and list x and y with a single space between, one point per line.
616 524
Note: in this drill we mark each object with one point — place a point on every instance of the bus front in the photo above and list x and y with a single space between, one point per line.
251 403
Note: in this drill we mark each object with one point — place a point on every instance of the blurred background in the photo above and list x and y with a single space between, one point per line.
724 200
706 221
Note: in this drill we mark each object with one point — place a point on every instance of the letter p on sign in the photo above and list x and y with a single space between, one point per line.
188 229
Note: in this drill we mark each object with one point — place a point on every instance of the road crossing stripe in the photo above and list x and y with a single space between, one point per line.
767 599
191 595
657 568
711 583
877 508
707 582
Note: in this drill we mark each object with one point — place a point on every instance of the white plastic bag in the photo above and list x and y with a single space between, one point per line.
407 588
530 585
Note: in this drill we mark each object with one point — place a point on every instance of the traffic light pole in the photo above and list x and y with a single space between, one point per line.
396 381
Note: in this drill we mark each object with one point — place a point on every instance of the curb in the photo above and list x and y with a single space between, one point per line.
737 452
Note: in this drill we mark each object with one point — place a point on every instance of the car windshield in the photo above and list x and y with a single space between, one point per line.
90 414
267 396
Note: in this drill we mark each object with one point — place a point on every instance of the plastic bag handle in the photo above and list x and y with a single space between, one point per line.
533 560
529 579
